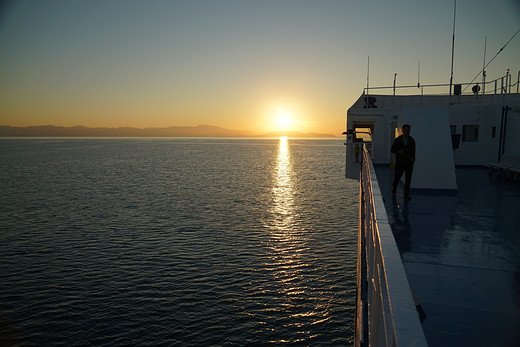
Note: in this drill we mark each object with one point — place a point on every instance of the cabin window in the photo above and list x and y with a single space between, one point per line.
362 136
470 133
363 132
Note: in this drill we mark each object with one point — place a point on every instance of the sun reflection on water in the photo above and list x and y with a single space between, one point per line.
285 240
288 260
283 189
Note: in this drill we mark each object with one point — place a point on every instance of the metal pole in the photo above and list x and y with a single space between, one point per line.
483 82
503 130
368 74
346 152
518 81
484 69
395 77
501 135
453 44
419 75
509 79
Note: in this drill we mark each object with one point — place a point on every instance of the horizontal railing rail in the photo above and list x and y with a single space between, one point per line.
386 312
500 86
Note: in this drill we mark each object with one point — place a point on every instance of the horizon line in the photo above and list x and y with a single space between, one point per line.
201 130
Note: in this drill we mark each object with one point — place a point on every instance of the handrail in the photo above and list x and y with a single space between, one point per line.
504 88
386 312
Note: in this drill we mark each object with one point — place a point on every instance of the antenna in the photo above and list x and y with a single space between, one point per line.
484 69
368 72
419 75
489 62
453 44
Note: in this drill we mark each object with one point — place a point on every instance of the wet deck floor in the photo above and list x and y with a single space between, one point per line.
461 253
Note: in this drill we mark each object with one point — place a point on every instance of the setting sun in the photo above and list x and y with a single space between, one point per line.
283 119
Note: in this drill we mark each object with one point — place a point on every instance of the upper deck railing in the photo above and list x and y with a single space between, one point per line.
386 312
500 86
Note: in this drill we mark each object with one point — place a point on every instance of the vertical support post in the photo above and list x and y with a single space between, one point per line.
368 76
509 80
484 69
503 127
419 75
518 82
346 152
483 82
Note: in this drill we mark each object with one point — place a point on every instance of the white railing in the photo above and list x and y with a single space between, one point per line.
501 86
386 312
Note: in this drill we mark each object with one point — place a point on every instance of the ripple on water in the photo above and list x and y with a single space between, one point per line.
176 242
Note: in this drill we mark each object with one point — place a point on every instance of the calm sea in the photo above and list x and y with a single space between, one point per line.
155 241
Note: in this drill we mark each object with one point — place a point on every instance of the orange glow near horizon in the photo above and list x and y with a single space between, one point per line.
283 119
257 68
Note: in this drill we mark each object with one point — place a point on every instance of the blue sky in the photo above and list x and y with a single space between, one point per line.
237 64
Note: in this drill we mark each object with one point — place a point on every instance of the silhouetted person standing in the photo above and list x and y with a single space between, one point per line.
404 149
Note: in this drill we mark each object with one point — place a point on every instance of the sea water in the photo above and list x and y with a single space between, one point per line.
176 241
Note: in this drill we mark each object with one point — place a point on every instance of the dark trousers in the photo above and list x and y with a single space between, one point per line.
407 169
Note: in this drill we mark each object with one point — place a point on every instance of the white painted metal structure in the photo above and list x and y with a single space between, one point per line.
434 152
386 311
476 124
449 130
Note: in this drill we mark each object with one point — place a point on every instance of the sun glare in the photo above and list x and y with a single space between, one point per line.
283 119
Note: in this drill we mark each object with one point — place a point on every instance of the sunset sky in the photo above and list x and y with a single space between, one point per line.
244 65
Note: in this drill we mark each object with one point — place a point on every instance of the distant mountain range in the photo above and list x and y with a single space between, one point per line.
174 131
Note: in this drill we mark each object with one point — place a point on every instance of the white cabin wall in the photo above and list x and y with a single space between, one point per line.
468 153
382 136
430 128
382 155
491 117
484 112
486 149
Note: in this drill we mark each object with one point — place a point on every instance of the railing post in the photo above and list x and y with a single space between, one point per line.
387 316
518 82
483 82
495 93
508 82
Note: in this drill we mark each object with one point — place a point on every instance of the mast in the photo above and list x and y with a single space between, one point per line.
484 69
453 45
419 75
368 73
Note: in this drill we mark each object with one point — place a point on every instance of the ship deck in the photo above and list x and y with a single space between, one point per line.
461 253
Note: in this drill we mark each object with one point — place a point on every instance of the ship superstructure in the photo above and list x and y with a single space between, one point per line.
457 239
